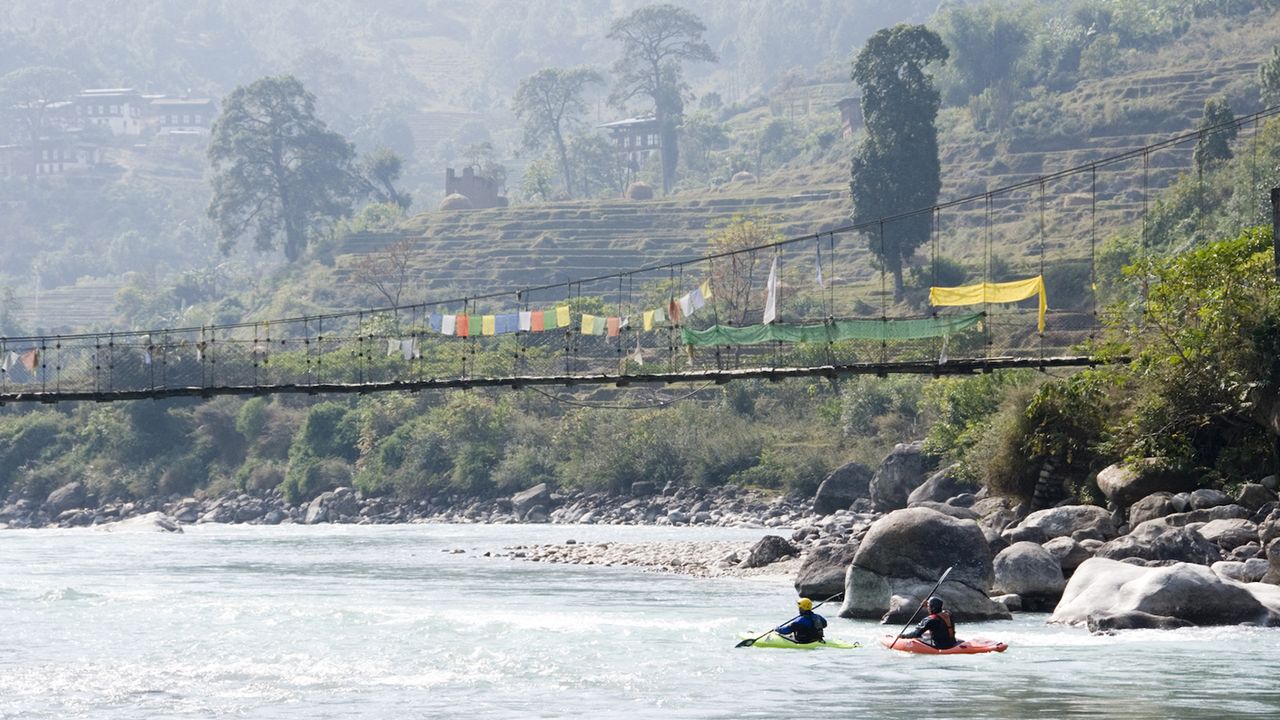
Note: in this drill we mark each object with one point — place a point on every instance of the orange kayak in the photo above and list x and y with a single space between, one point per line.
966 647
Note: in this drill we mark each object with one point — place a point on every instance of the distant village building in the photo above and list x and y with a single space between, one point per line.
483 192
15 161
181 115
850 114
120 110
634 139
66 154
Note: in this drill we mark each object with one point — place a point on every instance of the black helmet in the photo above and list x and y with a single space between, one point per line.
935 604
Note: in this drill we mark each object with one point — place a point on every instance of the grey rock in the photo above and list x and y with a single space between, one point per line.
317 509
899 473
1191 593
895 599
1125 485
68 497
964 500
1273 559
841 487
823 571
768 550
1133 620
1155 505
921 543
1270 482
940 487
1012 603
1068 552
524 500
1020 533
1220 512
1028 570
1269 528
1229 534
1206 498
952 510
643 488
1155 540
149 522
1072 520
1252 496
678 517
1243 572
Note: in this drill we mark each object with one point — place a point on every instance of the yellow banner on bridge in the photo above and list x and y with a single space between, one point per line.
1005 292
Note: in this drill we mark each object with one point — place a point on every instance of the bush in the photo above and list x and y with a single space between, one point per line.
311 476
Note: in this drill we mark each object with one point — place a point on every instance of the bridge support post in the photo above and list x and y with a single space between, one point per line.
1275 228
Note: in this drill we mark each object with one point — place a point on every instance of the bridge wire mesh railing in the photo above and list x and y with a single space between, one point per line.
1049 226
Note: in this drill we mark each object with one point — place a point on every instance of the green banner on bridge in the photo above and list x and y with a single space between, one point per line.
831 331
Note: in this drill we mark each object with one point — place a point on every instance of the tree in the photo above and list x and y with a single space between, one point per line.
550 103
596 166
734 275
27 93
1269 78
1214 145
896 168
655 40
381 172
985 42
387 270
279 172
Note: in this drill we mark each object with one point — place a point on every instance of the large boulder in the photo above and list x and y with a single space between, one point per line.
905 552
1125 485
1155 505
899 473
1068 553
1074 521
1252 496
1272 575
768 550
149 522
1204 515
1182 591
1206 498
1031 572
317 509
1155 540
839 489
1229 534
823 571
67 497
537 496
940 487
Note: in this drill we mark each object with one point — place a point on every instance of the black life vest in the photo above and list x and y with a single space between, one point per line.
810 631
946 623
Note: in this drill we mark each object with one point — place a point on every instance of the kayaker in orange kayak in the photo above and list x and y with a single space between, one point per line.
805 628
939 626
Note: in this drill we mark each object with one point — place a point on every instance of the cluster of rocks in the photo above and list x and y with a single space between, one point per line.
73 506
701 559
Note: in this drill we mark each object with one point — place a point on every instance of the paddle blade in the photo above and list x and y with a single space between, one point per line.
747 643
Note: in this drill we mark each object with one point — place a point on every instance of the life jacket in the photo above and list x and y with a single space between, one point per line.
950 625
809 628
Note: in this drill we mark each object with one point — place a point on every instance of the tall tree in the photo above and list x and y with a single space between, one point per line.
27 93
1214 145
550 103
279 172
896 168
656 39
382 170
1269 78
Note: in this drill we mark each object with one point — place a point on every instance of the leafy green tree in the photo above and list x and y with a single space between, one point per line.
550 103
596 166
896 168
656 39
1214 145
986 41
279 172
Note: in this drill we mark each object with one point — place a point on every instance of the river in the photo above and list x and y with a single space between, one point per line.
389 622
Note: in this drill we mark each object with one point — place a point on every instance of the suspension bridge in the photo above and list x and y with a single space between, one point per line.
1008 278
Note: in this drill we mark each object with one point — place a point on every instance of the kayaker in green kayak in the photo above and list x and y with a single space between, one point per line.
939 625
805 628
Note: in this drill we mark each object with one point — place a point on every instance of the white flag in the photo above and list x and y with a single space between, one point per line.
771 301
447 324
526 321
817 264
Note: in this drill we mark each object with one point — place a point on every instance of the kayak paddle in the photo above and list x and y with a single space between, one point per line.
917 612
752 641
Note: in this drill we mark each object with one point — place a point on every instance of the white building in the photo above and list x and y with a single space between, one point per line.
182 116
121 110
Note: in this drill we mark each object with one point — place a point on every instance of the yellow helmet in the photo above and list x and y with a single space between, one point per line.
805 604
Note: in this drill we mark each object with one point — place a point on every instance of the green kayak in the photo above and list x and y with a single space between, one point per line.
774 640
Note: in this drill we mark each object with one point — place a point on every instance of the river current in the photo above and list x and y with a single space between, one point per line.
392 622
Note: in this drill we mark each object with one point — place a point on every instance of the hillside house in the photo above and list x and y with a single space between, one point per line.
850 114
120 110
181 115
634 139
15 161
66 154
483 192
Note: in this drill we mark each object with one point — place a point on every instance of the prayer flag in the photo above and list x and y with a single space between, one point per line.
706 289
146 357
771 300
10 359
477 325
409 349
448 324
659 315
686 304
464 325
437 322
526 321
507 323
537 321
988 292
648 320
588 324
29 359
562 316
488 325
673 312
612 326
696 301
393 347
817 263
597 325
